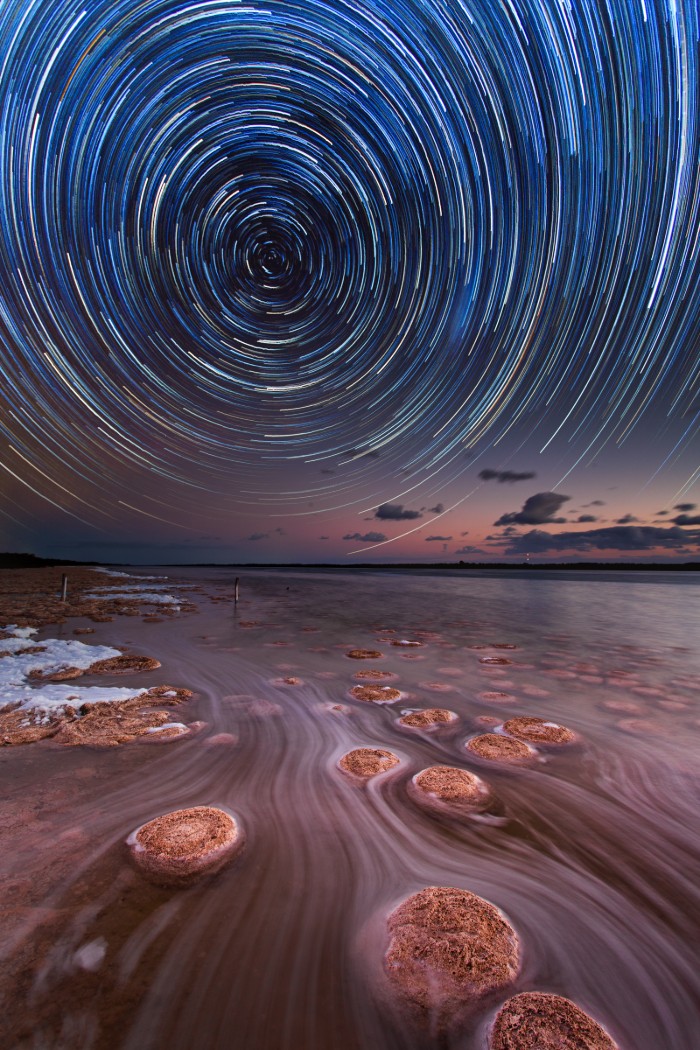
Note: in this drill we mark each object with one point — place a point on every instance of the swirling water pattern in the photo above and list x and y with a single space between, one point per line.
235 232
591 853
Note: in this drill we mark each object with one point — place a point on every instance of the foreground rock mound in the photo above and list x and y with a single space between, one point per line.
538 731
454 787
368 761
539 1021
448 950
181 847
432 716
497 748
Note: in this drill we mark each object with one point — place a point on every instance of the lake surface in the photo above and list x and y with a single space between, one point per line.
592 853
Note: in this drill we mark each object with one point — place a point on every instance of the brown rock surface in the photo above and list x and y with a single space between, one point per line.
449 949
181 847
123 665
373 675
540 1021
538 731
454 786
497 748
364 654
368 761
375 694
430 717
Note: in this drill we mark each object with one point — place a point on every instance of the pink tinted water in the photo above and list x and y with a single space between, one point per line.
592 853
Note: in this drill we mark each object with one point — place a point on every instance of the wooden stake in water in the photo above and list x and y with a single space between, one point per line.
64 588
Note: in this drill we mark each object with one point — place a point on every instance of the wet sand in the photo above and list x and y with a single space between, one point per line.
591 851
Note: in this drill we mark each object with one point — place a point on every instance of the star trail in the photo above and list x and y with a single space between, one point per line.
245 241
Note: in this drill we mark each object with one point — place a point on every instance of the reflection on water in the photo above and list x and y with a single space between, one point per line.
592 852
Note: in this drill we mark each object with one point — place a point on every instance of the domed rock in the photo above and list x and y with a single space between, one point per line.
449 949
457 788
180 847
538 731
430 717
540 1021
498 748
375 694
368 761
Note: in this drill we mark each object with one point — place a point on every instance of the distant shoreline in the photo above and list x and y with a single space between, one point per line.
10 560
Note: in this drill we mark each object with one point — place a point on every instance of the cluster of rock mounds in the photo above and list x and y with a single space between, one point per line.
450 952
518 739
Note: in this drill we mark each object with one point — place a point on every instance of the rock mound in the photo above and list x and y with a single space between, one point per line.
449 949
181 847
540 1021
538 731
368 761
456 787
375 694
497 748
364 654
430 717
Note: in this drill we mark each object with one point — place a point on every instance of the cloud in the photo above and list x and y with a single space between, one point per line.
369 537
628 518
614 538
442 539
465 533
586 517
686 519
257 536
280 532
324 537
506 476
437 509
537 510
469 550
684 507
395 512
595 503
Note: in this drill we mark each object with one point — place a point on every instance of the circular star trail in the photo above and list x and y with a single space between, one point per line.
238 234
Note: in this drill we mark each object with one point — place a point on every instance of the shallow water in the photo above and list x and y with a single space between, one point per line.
592 853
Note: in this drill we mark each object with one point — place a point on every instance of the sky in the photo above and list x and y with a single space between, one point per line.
343 282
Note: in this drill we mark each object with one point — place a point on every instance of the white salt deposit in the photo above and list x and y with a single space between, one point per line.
180 726
47 700
135 595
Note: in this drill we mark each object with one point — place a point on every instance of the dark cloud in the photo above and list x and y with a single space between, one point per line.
537 510
324 537
685 507
614 538
469 550
663 512
506 476
442 539
437 509
369 537
280 532
626 520
465 533
258 536
686 519
595 503
586 517
395 512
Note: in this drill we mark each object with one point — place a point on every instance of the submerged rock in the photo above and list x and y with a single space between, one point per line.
496 748
540 1021
183 846
538 731
448 950
368 761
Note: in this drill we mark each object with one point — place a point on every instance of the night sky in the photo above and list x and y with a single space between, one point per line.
327 281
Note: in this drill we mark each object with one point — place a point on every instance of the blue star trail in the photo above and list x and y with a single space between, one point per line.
241 236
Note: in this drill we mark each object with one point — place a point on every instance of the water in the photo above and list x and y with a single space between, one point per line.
592 853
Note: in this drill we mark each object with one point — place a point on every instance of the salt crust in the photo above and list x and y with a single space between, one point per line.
48 701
